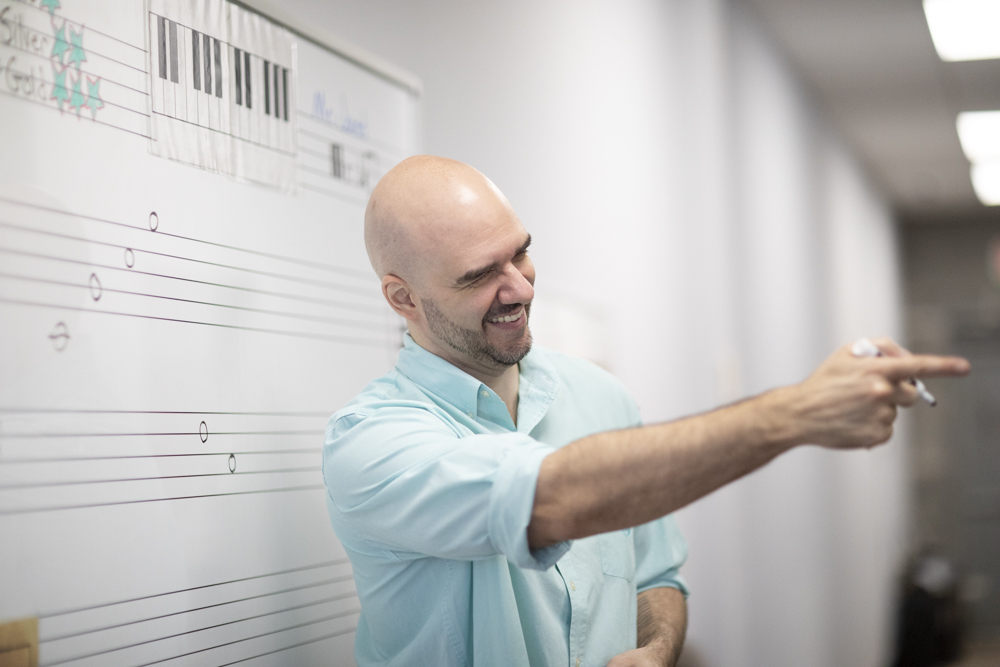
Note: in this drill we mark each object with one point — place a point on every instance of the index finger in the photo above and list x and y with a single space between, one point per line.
923 366
890 348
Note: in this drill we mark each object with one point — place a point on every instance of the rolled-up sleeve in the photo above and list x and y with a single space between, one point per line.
660 551
407 481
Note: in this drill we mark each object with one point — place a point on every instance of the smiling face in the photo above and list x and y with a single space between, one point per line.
453 258
481 317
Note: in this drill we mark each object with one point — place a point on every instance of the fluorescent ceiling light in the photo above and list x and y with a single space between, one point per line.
986 182
979 132
964 29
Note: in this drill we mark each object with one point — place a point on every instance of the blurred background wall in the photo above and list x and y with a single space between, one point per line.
702 229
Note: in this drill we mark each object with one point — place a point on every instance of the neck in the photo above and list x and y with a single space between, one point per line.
505 385
504 380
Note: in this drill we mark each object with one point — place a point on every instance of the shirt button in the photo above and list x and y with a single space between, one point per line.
573 586
485 394
469 414
578 662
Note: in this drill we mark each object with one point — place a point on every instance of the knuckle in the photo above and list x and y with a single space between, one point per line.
907 396
880 389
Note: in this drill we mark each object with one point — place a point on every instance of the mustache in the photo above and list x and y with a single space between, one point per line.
500 310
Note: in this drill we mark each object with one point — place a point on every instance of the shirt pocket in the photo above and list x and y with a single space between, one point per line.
618 554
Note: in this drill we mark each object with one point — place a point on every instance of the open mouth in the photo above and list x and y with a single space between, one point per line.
513 317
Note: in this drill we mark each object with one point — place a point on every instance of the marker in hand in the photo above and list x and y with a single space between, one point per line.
865 348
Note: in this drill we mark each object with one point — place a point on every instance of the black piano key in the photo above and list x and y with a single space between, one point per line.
284 91
237 78
161 40
246 75
217 46
196 60
207 43
277 96
267 88
174 74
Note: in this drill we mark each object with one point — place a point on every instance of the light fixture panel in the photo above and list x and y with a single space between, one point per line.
986 182
979 133
964 29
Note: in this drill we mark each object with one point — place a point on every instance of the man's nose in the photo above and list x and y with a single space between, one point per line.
516 287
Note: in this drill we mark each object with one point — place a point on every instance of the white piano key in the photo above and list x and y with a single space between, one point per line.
223 104
155 82
185 91
251 67
169 97
204 92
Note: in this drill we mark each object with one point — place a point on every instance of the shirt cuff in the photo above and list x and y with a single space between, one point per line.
670 579
511 502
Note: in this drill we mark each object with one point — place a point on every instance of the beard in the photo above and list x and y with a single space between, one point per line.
473 342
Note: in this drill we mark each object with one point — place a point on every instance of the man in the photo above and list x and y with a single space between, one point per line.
503 505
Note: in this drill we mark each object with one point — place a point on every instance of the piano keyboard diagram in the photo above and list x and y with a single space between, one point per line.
222 90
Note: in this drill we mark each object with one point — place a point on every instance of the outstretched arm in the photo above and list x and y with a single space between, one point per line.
617 479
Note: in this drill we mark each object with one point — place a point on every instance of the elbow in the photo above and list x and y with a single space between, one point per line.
550 524
553 515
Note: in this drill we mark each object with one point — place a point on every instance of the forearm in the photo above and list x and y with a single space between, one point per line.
617 479
661 623
620 479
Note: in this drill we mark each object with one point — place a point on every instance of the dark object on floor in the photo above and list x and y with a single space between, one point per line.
929 625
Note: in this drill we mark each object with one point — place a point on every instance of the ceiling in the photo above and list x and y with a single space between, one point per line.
873 68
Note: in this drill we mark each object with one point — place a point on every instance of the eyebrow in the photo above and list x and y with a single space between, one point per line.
475 274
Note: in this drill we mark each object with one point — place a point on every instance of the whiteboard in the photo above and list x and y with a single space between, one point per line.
185 298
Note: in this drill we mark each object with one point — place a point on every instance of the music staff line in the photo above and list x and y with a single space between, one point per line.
324 140
370 140
316 135
270 274
304 605
66 459
14 436
292 570
292 589
293 260
83 482
276 313
333 193
258 636
70 411
314 153
281 295
104 79
81 26
89 120
60 508
365 342
90 51
291 646
313 170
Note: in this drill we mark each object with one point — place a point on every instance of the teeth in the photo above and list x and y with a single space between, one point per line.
509 318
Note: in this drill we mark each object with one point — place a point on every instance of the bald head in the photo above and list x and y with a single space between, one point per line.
419 209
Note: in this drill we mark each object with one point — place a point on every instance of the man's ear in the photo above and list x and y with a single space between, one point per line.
399 295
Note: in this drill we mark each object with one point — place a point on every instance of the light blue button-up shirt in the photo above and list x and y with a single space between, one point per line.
430 487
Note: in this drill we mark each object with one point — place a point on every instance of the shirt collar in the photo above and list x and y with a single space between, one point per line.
537 385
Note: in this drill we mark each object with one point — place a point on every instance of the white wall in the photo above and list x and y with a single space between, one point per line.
679 182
